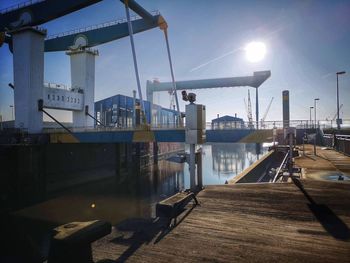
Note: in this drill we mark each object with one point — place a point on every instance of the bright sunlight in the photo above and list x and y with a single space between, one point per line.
255 51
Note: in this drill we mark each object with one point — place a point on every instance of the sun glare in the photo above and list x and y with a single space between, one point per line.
255 51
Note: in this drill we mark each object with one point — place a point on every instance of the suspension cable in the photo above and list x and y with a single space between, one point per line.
135 61
172 74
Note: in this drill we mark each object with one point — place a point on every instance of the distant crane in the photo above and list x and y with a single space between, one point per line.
265 114
172 98
335 115
249 112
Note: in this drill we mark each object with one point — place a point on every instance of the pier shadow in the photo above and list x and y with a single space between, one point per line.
327 218
140 231
136 232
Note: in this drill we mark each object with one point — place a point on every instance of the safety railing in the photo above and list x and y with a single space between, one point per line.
56 86
299 124
20 5
338 142
63 86
98 26
281 167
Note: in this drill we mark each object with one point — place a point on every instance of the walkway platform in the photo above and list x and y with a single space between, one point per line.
327 164
304 221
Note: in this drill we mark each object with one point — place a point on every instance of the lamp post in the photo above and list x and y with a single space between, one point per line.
315 100
11 106
310 116
338 119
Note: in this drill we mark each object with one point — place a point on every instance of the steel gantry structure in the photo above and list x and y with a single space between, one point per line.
27 42
254 81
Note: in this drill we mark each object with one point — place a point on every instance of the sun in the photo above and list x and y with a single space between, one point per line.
255 51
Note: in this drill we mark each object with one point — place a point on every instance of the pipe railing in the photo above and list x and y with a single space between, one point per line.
299 124
281 167
338 142
98 26
20 5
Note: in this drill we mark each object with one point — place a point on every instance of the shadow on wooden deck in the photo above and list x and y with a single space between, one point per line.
140 231
327 218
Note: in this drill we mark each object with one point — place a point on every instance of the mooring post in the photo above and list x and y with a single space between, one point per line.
192 166
199 168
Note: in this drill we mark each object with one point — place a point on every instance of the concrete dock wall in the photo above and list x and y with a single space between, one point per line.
32 173
255 171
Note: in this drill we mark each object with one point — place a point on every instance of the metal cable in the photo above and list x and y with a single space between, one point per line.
135 61
172 75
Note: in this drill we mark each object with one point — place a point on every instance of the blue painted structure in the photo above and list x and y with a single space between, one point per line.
227 122
233 135
127 136
36 12
169 135
39 12
99 34
118 111
178 135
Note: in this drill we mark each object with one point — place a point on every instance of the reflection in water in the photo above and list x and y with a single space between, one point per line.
134 192
129 194
228 159
223 161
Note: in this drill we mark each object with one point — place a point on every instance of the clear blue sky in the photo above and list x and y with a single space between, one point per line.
307 42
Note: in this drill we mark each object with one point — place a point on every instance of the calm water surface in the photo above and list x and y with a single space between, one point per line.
133 194
223 161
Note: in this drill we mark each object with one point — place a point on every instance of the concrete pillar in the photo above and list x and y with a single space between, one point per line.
285 103
82 64
28 71
199 169
192 166
155 153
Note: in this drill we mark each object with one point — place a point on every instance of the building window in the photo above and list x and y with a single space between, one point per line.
48 96
58 97
75 100
78 101
67 99
53 97
62 98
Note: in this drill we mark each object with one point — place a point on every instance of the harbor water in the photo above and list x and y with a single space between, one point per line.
130 194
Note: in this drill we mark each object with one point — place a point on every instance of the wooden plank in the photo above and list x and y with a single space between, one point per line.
249 223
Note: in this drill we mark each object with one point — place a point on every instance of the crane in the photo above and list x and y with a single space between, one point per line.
249 111
37 12
266 112
255 81
335 115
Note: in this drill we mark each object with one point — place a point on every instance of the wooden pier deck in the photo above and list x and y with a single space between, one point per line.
304 221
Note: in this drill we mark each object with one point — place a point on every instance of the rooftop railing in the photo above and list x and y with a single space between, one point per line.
20 5
98 26
63 86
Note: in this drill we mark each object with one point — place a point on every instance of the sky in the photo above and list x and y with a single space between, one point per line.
307 42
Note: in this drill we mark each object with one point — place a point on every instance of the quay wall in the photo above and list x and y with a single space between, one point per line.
255 171
32 173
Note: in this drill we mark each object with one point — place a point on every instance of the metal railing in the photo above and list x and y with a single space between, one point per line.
56 86
63 86
338 142
281 167
299 124
20 5
98 26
